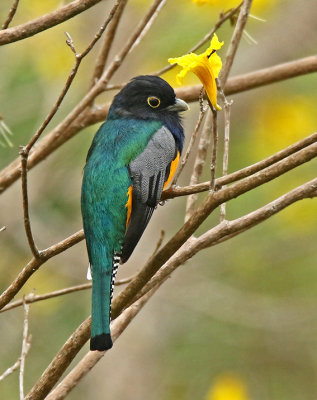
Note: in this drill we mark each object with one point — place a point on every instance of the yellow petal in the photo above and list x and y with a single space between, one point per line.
214 44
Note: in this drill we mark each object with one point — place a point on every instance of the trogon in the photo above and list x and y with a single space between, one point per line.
132 158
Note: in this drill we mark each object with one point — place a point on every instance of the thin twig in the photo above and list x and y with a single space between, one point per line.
32 298
26 343
213 165
35 264
226 112
191 142
242 173
223 17
227 229
235 40
25 201
107 43
159 242
147 27
199 163
11 369
11 14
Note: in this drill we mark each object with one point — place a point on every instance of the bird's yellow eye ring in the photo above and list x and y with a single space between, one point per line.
153 101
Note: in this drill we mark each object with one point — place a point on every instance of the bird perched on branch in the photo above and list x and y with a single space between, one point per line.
132 158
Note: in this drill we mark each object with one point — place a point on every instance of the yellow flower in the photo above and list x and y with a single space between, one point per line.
227 387
206 66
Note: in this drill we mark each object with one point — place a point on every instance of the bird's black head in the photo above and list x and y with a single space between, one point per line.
149 97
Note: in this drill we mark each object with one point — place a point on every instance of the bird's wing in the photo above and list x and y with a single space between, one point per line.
150 172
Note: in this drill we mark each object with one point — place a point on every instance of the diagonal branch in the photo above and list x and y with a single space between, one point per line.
46 21
107 43
35 264
242 173
191 142
235 40
227 229
26 343
199 163
10 15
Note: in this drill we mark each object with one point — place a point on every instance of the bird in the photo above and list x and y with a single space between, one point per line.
132 158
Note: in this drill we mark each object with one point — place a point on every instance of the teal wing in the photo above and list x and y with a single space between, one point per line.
148 172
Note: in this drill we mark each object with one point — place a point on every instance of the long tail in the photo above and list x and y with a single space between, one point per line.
102 289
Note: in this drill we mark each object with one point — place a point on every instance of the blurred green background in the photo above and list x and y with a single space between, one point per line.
238 321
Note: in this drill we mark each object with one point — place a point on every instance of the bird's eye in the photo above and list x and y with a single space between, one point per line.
153 101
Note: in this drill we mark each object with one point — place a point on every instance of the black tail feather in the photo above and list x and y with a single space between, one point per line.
101 342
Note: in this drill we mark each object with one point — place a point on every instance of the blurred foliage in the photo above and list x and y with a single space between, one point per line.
256 321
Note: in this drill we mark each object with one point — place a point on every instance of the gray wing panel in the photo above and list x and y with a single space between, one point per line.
148 172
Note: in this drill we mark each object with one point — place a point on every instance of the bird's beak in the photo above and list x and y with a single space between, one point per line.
180 105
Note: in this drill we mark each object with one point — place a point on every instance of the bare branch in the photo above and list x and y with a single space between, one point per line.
235 40
46 21
11 369
147 27
213 165
32 298
242 173
34 265
227 229
107 43
226 113
159 242
25 202
10 15
26 343
62 132
199 163
191 142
